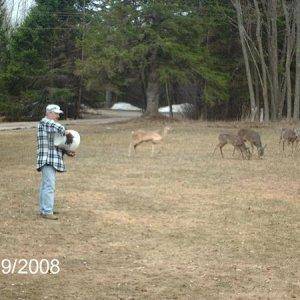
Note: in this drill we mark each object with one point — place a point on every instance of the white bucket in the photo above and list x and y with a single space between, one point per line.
60 141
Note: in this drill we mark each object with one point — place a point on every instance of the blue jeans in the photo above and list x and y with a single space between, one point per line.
47 190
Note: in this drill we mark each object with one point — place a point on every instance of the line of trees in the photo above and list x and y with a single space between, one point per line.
231 58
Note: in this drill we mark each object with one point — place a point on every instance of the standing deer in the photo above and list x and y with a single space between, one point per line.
289 136
253 137
236 141
141 136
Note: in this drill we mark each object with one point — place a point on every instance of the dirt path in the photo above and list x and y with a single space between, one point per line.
106 117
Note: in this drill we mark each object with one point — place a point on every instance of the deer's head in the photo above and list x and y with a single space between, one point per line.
261 151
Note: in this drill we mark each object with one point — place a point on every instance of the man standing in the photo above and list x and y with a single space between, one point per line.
50 159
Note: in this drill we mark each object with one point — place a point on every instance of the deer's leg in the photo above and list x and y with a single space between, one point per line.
283 145
218 146
129 150
221 147
256 146
152 150
235 147
215 149
160 147
242 152
135 146
233 151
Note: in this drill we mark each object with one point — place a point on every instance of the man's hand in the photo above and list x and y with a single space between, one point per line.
71 153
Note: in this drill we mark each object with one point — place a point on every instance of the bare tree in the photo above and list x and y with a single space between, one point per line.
273 53
297 82
238 8
288 9
262 61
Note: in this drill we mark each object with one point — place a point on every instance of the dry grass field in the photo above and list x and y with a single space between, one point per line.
180 225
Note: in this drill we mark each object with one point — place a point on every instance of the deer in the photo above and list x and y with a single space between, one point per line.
236 141
290 136
253 137
141 136
297 131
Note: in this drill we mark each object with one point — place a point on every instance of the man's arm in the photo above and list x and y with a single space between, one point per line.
53 127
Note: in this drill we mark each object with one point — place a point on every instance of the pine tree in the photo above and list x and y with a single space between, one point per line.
43 52
155 42
3 36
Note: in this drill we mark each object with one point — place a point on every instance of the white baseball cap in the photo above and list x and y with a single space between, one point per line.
54 108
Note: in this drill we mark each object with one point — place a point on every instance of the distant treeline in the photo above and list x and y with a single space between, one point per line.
231 59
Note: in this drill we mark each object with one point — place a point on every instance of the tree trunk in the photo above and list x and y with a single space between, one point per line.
289 38
238 8
263 63
274 54
108 99
257 92
204 112
78 100
144 89
283 95
152 94
266 8
169 101
297 83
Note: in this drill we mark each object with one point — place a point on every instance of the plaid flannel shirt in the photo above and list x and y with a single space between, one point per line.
47 153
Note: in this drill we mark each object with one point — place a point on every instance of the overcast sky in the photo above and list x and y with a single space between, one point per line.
18 9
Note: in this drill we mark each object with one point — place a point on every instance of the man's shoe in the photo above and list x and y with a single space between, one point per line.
49 216
54 213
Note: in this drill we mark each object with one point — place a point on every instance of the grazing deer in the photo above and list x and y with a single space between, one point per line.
289 136
236 141
297 131
253 137
141 136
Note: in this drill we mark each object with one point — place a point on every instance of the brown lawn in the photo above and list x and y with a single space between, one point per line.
181 225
